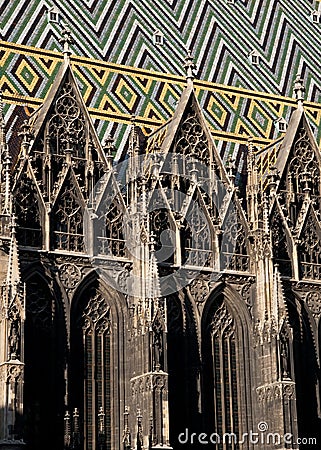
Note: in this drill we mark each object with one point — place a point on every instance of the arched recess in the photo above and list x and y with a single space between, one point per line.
306 369
44 356
197 233
226 357
29 214
184 367
67 227
97 363
235 248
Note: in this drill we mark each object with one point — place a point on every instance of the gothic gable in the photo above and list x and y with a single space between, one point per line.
188 136
61 132
298 163
310 247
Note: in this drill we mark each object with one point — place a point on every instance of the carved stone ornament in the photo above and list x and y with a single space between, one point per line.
313 300
200 289
149 382
274 391
69 275
11 372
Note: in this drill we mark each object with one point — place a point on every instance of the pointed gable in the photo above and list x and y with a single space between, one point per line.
63 132
299 156
187 134
310 247
65 115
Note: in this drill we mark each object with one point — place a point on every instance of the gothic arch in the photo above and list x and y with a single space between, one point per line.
29 210
197 234
184 367
226 355
67 217
235 246
44 351
96 361
306 367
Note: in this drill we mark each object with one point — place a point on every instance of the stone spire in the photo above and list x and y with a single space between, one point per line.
189 66
154 284
5 166
126 434
279 308
2 122
299 90
66 40
13 273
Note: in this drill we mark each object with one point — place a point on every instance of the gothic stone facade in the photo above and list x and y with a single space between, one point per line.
150 298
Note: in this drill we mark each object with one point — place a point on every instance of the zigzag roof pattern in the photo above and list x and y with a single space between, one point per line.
121 32
239 99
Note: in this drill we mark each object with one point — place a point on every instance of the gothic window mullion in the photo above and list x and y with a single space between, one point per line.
234 365
216 383
224 372
110 237
230 384
95 323
222 378
92 416
29 232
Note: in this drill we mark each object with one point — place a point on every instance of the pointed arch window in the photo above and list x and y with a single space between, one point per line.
29 232
110 235
191 140
67 220
221 374
164 235
44 346
196 238
91 363
310 250
234 246
280 245
67 128
303 174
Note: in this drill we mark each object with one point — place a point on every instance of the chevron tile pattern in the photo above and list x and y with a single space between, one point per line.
122 72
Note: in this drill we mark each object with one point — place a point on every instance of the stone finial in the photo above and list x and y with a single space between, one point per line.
1 106
66 40
231 167
189 66
2 122
273 178
26 132
299 90
109 149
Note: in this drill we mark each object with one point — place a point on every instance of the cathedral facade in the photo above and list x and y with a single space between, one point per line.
151 303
